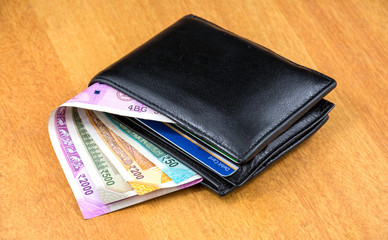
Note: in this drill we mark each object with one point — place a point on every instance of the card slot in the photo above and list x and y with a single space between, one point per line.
180 155
300 131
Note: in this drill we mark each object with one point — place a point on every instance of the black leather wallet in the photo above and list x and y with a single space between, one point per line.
250 103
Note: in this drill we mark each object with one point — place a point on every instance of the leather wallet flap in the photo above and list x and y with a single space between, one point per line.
231 92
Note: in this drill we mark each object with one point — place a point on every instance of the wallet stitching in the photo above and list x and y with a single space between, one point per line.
260 136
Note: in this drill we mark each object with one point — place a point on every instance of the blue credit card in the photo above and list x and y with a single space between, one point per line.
202 154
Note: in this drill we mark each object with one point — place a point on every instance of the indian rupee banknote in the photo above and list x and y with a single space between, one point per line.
177 171
141 173
103 98
80 180
110 185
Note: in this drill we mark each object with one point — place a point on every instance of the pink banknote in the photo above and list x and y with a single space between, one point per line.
103 98
79 179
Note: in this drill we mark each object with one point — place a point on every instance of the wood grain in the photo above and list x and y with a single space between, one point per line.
334 186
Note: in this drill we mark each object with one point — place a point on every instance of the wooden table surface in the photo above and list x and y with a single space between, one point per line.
333 186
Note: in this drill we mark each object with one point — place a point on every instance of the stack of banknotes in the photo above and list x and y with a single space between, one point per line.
108 165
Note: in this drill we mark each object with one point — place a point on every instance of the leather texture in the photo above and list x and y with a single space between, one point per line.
241 97
230 91
307 125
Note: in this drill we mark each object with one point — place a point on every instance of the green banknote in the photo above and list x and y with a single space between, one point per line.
110 184
169 165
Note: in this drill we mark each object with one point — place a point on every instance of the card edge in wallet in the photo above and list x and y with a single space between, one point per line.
269 161
224 184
